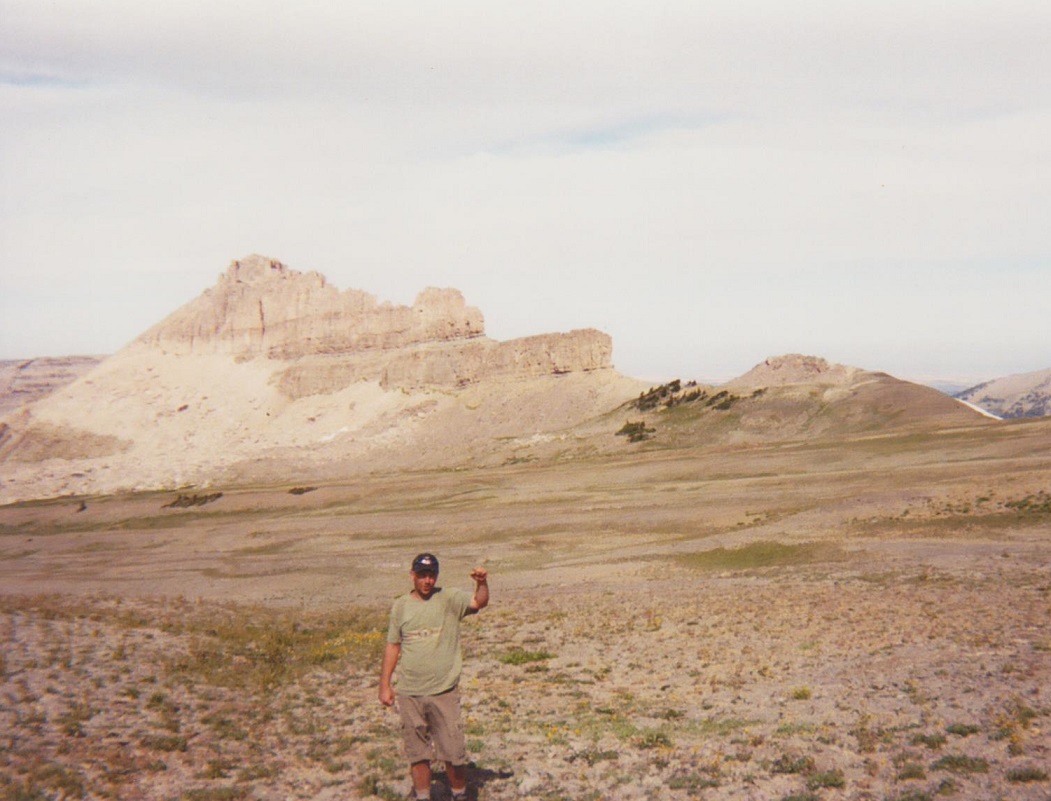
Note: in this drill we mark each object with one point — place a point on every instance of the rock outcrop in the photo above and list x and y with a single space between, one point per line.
455 364
795 368
262 308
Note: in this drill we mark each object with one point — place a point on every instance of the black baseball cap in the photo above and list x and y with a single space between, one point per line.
425 563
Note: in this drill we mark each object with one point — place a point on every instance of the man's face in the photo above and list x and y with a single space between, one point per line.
423 582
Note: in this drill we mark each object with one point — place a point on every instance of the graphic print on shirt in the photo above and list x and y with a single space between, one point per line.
419 635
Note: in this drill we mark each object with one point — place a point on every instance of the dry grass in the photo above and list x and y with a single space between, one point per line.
779 684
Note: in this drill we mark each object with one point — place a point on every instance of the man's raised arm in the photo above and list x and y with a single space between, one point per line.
481 589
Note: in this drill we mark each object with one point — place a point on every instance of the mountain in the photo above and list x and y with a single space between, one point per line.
1022 395
273 373
275 376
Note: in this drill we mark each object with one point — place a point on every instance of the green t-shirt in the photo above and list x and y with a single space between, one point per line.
429 635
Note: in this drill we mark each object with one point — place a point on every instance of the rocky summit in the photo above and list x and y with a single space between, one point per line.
262 309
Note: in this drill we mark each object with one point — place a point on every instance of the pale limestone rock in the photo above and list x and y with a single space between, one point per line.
260 307
453 364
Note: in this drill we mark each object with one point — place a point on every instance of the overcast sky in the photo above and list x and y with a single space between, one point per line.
711 183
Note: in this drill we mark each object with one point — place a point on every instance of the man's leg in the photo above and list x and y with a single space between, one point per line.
457 778
447 732
417 744
421 778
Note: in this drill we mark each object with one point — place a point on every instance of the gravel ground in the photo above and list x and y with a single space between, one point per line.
828 680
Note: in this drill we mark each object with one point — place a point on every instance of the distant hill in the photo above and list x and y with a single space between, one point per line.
27 380
1022 395
791 397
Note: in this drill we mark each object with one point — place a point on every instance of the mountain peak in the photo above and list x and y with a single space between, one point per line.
256 269
261 307
795 368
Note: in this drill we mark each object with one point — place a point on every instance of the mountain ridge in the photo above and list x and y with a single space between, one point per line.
1013 396
272 374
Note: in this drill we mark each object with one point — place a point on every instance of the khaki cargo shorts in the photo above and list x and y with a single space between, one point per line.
432 728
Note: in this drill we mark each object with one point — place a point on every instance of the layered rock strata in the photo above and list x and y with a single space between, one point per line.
455 364
260 307
331 339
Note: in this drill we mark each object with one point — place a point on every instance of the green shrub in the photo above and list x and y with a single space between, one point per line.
635 432
961 763
1020 775
911 770
763 554
520 656
932 741
831 778
790 763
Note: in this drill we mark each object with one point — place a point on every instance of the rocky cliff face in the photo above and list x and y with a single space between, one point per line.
330 339
262 308
456 364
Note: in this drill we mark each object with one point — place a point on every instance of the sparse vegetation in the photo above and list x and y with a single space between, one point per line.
825 779
521 656
184 501
792 763
675 393
961 763
636 432
763 555
932 741
1037 503
1025 775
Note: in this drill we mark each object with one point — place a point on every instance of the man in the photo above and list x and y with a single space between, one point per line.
423 642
